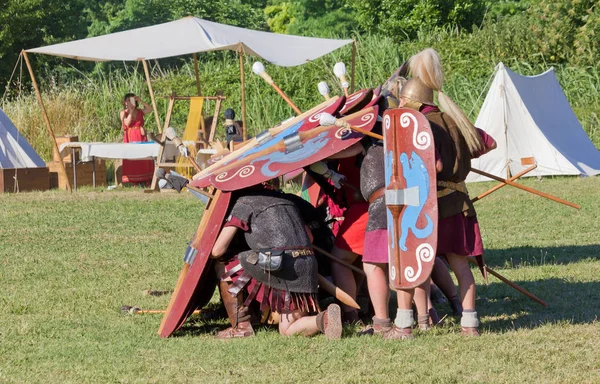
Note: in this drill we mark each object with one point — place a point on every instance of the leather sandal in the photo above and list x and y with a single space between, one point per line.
469 331
331 320
236 332
396 333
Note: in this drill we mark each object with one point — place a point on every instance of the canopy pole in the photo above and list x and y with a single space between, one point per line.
244 129
147 72
63 170
353 65
197 74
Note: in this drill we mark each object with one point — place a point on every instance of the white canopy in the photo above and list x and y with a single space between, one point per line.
190 35
529 116
15 151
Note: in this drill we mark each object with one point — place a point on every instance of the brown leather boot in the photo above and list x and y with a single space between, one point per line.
243 329
237 313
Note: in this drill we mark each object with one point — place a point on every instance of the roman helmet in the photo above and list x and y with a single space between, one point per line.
416 94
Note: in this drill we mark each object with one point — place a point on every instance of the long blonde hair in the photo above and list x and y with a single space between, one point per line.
426 65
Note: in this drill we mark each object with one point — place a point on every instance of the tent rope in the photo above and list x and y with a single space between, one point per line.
484 89
19 60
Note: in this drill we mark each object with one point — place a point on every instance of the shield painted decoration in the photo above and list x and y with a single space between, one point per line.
306 121
290 152
410 197
357 101
199 280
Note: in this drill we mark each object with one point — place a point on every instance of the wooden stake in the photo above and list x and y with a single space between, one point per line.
337 292
161 151
147 72
286 98
197 74
244 128
497 187
63 170
511 284
345 264
213 127
528 189
353 66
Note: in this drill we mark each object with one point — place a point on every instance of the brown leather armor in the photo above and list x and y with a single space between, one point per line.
456 161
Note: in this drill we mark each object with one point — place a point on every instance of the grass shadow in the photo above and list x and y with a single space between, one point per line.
536 256
503 308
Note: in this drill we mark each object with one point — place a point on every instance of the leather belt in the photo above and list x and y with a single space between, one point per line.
451 187
376 195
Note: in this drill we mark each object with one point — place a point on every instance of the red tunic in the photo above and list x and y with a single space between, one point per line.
136 171
352 232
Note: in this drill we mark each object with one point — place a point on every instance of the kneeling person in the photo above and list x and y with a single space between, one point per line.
280 269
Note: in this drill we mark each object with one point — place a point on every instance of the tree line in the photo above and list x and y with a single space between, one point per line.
556 31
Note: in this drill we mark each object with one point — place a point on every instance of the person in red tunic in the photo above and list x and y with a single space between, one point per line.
132 122
349 239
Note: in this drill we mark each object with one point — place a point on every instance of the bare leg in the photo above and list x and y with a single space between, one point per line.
466 281
379 292
297 323
343 277
441 277
405 298
421 298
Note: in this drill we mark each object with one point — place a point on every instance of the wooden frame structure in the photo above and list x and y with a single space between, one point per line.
206 137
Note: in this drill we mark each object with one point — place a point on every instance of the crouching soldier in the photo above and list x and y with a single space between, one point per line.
280 269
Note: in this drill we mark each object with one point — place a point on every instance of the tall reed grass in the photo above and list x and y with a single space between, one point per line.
87 105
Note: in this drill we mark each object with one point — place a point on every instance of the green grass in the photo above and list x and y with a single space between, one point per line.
69 261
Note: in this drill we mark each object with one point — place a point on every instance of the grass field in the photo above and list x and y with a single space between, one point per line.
69 261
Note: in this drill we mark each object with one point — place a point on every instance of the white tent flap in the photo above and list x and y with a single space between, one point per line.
15 151
529 116
190 35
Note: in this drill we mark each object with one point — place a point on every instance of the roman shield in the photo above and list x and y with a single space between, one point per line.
306 121
287 152
197 280
356 101
410 197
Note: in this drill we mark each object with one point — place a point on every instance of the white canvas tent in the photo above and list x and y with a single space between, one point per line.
189 36
21 168
15 151
529 116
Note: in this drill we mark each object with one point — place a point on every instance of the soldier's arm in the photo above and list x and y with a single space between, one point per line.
222 243
353 150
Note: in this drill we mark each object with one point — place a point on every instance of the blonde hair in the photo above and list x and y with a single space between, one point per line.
426 65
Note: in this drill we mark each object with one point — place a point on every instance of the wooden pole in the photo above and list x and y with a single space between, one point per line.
286 99
511 284
161 151
197 74
530 190
341 262
353 66
337 292
63 170
497 187
244 128
147 72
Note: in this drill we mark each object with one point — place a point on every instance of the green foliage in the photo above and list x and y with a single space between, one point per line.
567 30
280 16
403 19
119 16
311 18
